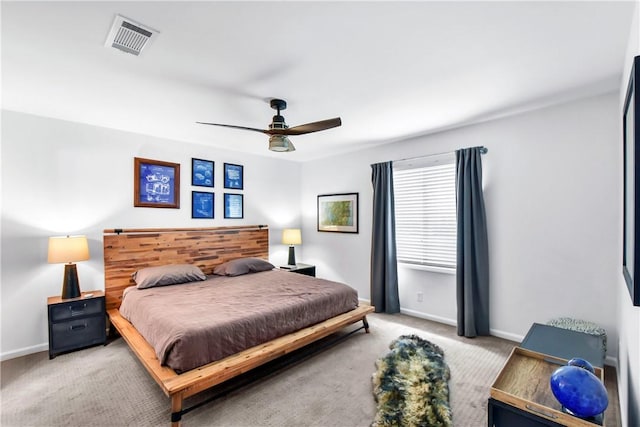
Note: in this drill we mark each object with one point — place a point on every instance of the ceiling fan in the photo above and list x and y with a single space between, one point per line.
279 131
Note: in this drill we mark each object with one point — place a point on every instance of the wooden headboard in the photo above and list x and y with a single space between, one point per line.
128 250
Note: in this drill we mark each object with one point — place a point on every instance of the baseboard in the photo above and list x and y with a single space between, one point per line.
421 315
506 335
452 322
417 314
24 351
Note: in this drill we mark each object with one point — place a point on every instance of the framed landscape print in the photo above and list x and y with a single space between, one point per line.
233 206
156 184
338 212
233 176
202 173
202 204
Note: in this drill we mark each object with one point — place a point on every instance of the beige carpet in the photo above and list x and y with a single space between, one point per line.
107 386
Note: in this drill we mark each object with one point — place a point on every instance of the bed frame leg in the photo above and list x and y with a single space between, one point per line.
365 324
176 409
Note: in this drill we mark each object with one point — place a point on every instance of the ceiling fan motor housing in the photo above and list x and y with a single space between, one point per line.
278 123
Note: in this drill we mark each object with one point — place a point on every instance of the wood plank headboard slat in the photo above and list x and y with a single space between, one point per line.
128 250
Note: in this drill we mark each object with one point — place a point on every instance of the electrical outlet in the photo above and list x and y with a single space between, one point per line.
419 296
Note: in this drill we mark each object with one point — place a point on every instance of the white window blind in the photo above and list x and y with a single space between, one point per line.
425 210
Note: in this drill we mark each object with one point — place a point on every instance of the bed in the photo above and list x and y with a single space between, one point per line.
175 371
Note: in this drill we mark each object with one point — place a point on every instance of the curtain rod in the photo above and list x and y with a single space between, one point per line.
483 150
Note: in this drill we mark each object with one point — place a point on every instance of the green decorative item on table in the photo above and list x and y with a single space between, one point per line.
411 385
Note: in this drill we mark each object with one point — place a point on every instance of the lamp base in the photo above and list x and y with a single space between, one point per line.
70 284
292 256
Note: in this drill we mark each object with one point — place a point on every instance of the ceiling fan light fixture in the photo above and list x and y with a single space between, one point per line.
280 143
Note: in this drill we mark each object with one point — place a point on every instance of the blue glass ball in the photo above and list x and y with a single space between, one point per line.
581 363
579 391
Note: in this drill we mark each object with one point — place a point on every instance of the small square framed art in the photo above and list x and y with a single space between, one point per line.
202 172
233 176
202 203
233 206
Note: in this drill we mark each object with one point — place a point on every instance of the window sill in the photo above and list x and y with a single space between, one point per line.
429 268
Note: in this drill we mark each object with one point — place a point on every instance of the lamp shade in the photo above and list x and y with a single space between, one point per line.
291 236
66 249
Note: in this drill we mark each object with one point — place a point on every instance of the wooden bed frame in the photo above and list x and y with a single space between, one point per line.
126 251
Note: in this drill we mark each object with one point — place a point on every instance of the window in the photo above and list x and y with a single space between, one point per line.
425 209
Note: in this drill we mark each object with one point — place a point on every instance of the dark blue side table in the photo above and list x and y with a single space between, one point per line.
565 343
554 341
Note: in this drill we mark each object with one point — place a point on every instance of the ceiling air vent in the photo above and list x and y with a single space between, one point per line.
129 36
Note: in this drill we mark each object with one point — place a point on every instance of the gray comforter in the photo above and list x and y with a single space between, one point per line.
190 325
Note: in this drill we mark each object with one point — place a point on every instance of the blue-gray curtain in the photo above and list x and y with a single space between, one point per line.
472 270
384 268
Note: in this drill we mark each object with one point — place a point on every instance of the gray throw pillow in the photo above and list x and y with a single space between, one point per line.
241 266
164 275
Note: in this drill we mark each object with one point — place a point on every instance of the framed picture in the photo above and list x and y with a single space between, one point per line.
156 184
202 204
233 176
233 206
338 212
202 173
631 210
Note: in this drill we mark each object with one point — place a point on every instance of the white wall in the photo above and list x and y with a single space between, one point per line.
551 181
552 189
628 315
68 178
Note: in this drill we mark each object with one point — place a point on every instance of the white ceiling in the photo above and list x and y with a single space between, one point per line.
390 70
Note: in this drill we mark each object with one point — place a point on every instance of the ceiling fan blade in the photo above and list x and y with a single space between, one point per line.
307 128
237 127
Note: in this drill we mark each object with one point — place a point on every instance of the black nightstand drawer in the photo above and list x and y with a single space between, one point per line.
77 333
71 310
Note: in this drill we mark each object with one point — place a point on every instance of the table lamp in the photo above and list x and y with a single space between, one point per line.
291 236
69 249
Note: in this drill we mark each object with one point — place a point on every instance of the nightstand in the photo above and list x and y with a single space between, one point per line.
76 323
306 269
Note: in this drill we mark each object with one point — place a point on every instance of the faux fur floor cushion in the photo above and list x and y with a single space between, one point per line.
411 385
